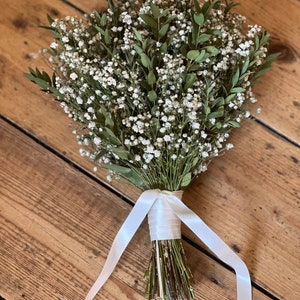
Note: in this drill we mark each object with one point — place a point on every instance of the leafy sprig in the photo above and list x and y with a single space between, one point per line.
145 48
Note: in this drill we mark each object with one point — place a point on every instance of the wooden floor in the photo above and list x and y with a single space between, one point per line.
58 218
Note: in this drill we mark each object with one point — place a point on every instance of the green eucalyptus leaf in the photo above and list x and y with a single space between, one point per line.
129 174
155 10
152 96
272 57
138 49
206 109
220 101
100 30
52 30
264 39
257 43
107 38
163 30
213 50
193 54
204 37
253 62
149 21
203 56
197 55
235 78
122 153
137 35
190 79
244 75
237 90
217 32
109 122
155 122
218 125
164 47
171 18
111 5
245 65
165 13
97 15
259 53
186 180
151 77
50 20
44 85
136 179
46 77
234 124
199 19
229 6
209 5
104 112
145 85
209 89
195 162
103 20
216 114
230 98
145 60
117 169
100 117
109 135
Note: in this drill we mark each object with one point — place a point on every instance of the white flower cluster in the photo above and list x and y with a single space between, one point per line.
140 99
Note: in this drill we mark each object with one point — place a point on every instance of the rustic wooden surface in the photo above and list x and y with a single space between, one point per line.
58 219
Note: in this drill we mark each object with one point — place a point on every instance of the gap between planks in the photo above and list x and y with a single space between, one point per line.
79 168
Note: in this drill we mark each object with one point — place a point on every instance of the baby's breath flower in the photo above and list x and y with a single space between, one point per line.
155 88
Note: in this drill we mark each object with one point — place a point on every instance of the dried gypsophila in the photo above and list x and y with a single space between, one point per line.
156 88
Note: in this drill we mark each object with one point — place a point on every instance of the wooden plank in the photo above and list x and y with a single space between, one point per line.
57 226
22 103
278 92
251 198
88 6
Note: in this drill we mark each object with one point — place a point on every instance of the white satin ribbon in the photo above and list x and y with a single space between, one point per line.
187 216
163 222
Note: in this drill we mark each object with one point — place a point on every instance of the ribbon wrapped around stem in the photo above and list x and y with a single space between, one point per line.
172 200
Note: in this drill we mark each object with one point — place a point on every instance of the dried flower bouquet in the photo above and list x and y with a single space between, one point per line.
156 89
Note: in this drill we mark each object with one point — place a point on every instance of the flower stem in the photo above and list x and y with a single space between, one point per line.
168 277
159 266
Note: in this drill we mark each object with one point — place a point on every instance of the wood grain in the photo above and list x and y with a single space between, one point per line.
279 92
57 226
21 101
88 6
250 197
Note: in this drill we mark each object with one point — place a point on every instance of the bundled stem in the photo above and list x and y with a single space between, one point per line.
168 277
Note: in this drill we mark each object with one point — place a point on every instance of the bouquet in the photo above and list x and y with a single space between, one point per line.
156 89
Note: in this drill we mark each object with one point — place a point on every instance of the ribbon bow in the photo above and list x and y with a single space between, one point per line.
187 216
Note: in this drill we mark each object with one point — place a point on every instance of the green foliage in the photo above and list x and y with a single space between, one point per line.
155 91
43 80
116 71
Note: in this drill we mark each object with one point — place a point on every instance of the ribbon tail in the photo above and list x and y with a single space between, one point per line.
216 245
123 237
